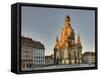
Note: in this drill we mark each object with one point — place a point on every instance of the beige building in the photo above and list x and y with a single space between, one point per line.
32 54
67 50
26 53
49 60
89 57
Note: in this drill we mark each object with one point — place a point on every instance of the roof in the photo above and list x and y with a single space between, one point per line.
26 38
36 44
89 53
49 56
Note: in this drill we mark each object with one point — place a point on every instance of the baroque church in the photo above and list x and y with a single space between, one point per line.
68 50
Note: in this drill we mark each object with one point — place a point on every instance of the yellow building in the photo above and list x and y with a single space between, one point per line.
66 50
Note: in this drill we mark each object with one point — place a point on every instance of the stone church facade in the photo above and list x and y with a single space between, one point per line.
68 50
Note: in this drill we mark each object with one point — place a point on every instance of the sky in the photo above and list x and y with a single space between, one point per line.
44 24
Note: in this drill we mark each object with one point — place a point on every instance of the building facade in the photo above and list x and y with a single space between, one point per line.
26 53
49 60
32 53
38 54
67 50
89 58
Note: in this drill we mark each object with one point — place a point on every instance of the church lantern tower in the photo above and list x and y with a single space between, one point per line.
65 32
67 20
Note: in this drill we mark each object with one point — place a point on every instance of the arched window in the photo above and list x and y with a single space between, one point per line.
27 65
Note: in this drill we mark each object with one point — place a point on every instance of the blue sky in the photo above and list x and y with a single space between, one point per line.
44 24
